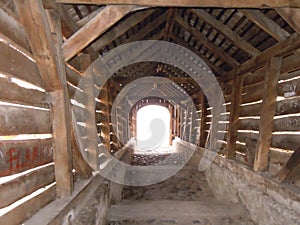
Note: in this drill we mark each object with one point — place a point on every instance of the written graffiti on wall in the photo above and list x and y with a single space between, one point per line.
18 156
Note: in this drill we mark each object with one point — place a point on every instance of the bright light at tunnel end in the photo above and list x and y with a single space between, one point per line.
97 75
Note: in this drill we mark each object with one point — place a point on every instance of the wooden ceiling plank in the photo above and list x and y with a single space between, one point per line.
208 44
217 70
291 16
121 28
93 29
193 3
265 23
227 32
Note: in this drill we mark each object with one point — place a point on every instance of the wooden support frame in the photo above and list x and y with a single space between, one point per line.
194 3
291 170
169 23
47 52
93 29
235 107
291 16
267 114
219 52
265 23
227 32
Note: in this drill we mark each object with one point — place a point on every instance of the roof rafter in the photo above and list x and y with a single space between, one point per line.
291 16
207 43
217 70
121 28
265 23
93 29
227 32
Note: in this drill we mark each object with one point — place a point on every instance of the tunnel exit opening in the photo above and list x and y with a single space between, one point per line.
153 128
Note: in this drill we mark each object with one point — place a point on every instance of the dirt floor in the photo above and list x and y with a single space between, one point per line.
183 199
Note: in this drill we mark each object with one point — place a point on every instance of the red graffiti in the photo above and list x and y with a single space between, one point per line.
18 160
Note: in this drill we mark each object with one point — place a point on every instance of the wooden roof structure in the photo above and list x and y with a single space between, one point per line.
252 48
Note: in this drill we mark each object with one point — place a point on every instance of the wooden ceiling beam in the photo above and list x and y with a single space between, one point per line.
193 3
265 23
170 23
291 16
121 28
217 51
216 70
93 29
226 32
282 48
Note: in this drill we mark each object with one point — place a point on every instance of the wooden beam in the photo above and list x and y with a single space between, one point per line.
268 109
217 51
291 16
236 96
193 3
169 23
47 52
217 70
291 170
121 28
282 48
265 23
227 32
39 37
93 29
203 134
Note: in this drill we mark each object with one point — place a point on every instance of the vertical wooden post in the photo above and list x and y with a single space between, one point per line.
203 115
46 50
235 107
267 114
61 115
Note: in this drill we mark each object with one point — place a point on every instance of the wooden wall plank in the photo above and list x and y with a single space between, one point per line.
18 120
286 141
22 186
291 123
22 212
11 92
18 156
267 114
12 29
251 110
288 106
16 64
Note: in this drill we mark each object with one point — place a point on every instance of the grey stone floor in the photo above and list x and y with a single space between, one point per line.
184 199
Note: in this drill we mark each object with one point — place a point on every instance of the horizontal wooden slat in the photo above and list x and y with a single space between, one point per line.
18 156
286 141
11 28
25 185
288 106
18 120
250 110
291 123
252 93
290 88
15 63
249 124
22 212
14 93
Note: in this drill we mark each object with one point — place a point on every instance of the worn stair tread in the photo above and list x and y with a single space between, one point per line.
169 209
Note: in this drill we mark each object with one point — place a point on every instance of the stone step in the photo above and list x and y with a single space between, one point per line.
207 211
